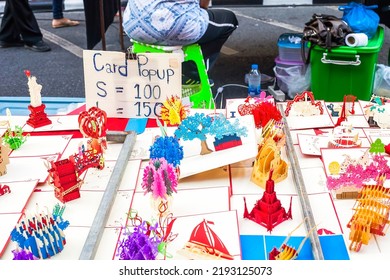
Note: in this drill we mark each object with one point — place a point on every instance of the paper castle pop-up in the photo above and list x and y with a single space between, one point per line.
268 210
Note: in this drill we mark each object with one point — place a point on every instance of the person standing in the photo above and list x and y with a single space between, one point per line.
19 27
58 16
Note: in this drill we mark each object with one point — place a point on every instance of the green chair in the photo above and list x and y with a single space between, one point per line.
200 95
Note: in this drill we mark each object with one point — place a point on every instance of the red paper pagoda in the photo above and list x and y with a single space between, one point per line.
268 211
204 243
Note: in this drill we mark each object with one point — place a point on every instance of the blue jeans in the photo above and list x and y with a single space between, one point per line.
58 9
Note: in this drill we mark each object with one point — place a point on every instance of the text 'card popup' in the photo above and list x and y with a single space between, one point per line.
131 88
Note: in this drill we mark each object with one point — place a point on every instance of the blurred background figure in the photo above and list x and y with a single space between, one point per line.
58 16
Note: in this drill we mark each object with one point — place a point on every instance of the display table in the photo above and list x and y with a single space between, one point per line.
218 196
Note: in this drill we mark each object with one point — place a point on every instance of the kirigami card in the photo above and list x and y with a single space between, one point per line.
312 144
298 119
211 236
42 145
218 142
378 133
58 123
27 168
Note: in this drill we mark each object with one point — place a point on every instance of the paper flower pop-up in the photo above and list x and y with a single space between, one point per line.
160 180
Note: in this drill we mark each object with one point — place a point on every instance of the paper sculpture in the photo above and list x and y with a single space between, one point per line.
268 210
64 177
205 244
146 241
348 108
269 157
37 117
344 136
173 111
287 252
355 173
15 138
41 233
263 109
4 189
371 214
303 105
4 158
93 125
198 126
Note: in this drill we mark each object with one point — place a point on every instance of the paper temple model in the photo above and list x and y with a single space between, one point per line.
204 243
371 215
268 210
4 159
37 117
41 233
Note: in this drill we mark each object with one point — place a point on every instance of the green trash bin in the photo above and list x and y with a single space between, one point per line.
345 70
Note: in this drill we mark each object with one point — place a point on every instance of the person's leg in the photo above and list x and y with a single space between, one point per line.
221 26
58 9
21 16
9 34
58 16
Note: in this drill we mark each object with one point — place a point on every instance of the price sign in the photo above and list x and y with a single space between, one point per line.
131 88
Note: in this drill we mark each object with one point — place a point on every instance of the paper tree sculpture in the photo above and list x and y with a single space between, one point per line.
4 158
227 133
205 244
268 210
195 127
42 233
38 116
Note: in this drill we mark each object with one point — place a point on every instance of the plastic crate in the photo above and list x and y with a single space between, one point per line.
345 70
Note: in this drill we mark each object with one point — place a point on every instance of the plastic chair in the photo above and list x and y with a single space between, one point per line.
200 95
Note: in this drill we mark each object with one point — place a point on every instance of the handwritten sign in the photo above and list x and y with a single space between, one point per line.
130 88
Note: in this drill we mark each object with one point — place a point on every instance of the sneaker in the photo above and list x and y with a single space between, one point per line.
5 44
39 46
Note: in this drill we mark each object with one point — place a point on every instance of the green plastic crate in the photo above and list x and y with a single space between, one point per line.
345 70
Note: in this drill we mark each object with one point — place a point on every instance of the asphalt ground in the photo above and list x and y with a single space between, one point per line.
60 71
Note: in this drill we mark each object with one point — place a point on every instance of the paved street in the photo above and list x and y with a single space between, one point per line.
60 71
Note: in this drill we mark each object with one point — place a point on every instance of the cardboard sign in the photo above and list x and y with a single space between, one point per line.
130 88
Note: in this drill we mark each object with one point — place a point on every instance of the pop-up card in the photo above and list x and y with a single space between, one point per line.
348 170
37 117
305 112
213 141
41 233
4 159
371 214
